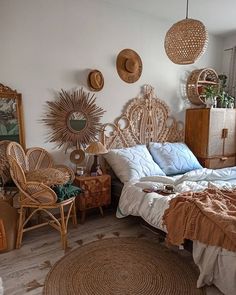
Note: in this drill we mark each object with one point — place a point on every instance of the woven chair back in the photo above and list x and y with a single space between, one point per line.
16 151
38 158
17 172
4 165
32 192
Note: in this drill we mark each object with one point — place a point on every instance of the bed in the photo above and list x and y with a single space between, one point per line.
146 134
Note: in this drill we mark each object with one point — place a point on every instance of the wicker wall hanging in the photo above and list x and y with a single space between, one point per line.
73 119
95 80
129 65
186 40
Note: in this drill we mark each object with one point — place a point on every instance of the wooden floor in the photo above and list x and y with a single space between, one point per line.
23 271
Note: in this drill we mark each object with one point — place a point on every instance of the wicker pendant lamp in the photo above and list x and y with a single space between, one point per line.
186 41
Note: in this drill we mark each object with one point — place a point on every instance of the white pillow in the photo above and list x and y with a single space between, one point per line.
132 163
173 157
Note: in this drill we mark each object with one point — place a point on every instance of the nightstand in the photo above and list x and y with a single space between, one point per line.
96 193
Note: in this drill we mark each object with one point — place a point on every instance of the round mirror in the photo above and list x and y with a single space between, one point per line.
77 121
74 118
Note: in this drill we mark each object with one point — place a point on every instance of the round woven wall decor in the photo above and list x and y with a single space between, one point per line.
186 41
122 266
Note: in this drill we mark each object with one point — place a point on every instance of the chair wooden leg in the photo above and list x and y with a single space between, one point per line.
101 211
20 227
63 229
39 217
74 216
83 214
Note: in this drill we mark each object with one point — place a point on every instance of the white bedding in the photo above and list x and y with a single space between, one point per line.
217 266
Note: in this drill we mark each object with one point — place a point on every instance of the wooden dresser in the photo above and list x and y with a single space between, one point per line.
96 193
211 135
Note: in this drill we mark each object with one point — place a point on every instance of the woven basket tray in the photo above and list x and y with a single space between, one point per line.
49 176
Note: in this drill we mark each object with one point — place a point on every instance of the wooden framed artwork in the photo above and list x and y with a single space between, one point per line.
11 116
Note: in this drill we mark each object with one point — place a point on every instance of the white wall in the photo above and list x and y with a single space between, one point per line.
228 43
46 45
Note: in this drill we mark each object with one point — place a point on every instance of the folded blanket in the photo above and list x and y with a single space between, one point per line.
66 191
208 216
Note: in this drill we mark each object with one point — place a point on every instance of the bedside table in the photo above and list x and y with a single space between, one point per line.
97 193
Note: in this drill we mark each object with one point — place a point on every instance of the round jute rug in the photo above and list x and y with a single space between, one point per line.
122 266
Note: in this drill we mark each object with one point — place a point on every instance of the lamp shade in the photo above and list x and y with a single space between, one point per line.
186 41
96 148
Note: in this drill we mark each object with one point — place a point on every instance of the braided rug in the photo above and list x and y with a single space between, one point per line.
122 266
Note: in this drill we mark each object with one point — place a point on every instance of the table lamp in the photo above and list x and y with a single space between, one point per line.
96 148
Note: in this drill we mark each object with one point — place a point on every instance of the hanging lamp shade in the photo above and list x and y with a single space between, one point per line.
186 41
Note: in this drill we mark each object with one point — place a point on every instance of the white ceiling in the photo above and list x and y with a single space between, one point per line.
219 16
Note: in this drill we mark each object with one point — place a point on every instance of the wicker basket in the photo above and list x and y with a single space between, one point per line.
186 41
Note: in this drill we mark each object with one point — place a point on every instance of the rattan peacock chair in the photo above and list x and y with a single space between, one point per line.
36 195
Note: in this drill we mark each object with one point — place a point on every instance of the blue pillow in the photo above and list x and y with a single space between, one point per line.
173 158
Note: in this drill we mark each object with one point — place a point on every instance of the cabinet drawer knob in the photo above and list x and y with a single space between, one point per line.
224 158
224 133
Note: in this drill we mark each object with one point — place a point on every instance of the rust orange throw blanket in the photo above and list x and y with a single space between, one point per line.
208 216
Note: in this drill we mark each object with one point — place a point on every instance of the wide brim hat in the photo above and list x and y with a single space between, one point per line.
129 65
95 80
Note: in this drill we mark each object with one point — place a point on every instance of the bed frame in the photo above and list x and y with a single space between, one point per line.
145 118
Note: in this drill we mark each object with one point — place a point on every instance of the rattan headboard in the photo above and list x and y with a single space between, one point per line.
146 118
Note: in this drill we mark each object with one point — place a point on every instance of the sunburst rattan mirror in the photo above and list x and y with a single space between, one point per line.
73 118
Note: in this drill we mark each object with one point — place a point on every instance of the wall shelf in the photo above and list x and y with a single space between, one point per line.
196 82
208 82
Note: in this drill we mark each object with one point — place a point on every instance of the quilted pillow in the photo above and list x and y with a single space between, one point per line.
132 163
173 158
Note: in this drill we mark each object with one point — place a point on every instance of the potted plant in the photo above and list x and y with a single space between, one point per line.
225 100
231 100
211 92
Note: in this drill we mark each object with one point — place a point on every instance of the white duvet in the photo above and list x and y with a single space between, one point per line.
217 266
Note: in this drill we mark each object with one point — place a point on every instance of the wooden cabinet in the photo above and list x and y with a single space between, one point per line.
8 226
197 80
3 238
211 135
96 193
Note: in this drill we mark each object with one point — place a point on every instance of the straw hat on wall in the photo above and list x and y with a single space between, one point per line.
129 65
95 80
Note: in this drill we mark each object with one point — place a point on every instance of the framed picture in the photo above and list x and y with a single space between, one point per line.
11 116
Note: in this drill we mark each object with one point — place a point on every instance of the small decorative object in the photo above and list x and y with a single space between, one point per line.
95 80
73 119
169 188
129 65
80 171
96 148
231 102
186 41
77 157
